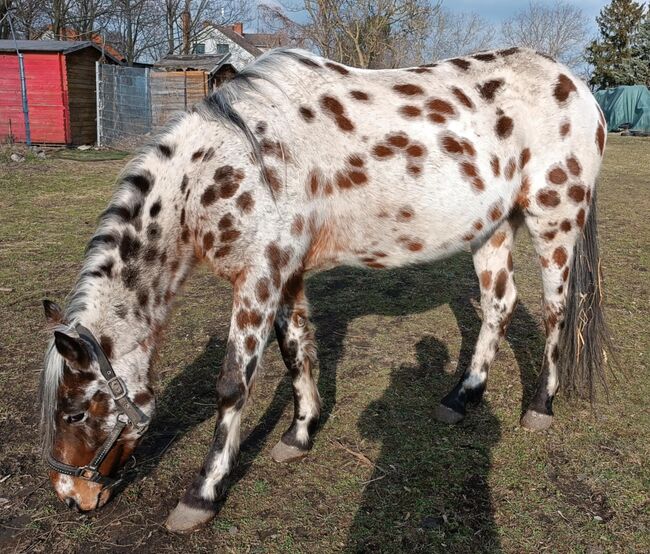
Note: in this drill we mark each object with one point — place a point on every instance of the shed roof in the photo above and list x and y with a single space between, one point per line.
201 62
62 46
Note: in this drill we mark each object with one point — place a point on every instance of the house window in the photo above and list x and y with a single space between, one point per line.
223 48
199 48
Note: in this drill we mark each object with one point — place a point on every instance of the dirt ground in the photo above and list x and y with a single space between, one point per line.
383 476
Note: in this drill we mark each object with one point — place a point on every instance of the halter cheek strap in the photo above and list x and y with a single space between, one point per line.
129 413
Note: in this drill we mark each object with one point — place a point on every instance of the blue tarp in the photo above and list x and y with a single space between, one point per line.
626 105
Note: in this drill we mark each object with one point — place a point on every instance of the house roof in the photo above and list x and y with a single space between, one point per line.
239 40
265 40
200 62
62 46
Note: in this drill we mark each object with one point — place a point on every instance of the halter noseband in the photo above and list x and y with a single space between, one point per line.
129 413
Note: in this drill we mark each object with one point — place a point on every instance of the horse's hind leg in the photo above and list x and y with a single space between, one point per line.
554 238
296 339
493 265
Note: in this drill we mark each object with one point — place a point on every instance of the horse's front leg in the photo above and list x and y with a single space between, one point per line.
249 328
296 339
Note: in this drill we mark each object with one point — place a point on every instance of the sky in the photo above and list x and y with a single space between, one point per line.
498 10
495 11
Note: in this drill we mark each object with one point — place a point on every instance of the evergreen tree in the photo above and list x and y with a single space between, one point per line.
640 62
612 53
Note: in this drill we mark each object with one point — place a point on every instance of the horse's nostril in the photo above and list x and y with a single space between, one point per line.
72 503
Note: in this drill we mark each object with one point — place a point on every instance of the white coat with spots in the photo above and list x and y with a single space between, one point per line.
301 164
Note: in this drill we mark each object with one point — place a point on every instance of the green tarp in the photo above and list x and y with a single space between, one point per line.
626 105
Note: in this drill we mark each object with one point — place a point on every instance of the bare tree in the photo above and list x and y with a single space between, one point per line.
457 34
559 30
29 18
369 33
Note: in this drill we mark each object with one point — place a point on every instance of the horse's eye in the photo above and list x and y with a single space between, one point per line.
76 418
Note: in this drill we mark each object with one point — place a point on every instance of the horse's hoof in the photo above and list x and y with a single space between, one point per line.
283 453
185 519
445 414
535 421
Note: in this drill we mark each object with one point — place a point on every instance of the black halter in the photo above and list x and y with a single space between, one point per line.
129 413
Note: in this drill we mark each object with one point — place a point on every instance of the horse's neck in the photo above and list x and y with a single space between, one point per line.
129 279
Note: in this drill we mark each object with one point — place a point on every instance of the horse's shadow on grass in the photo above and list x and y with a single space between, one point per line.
447 501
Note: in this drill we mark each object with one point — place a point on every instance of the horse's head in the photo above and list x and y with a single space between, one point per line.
92 419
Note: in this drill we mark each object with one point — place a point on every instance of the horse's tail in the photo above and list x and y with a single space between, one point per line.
585 343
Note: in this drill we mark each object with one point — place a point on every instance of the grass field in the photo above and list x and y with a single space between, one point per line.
383 476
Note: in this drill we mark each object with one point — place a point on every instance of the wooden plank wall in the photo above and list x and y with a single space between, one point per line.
173 91
82 99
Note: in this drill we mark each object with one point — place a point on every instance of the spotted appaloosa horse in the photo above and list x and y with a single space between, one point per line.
300 164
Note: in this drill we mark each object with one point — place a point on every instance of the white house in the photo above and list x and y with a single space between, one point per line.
242 47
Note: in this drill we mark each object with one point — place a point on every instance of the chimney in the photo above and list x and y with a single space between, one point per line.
185 18
238 28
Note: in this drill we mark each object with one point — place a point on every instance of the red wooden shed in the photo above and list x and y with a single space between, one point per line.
61 94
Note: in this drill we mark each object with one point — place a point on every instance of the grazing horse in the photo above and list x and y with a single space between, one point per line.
301 164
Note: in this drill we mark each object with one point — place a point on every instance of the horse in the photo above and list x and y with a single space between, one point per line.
300 164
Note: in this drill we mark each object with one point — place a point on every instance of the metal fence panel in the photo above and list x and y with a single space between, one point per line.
123 106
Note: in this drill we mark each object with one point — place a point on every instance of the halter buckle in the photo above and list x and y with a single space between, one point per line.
88 473
117 387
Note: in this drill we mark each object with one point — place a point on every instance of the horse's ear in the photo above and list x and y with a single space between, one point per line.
53 313
73 350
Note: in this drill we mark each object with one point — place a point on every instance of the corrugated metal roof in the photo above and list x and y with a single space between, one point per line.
63 46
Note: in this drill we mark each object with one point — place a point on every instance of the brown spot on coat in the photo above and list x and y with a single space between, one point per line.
410 111
461 63
451 145
462 98
580 219
336 111
486 279
548 198
565 226
496 166
251 344
338 68
382 151
600 139
496 211
577 193
574 166
208 241
500 283
524 158
306 113
557 176
489 89
497 239
248 318
415 150
560 256
297 226
360 95
565 129
262 291
504 127
209 195
408 89
245 202
563 88
487 57
510 169
399 140
441 106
